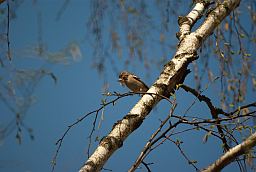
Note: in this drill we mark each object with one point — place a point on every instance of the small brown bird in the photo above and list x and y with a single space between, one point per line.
132 82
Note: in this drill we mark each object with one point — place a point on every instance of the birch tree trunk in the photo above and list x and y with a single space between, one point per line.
174 73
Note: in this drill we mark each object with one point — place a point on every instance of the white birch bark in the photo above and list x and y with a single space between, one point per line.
174 72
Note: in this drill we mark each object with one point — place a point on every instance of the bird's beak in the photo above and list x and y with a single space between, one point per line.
121 82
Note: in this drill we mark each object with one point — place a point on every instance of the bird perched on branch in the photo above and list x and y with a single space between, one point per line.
132 82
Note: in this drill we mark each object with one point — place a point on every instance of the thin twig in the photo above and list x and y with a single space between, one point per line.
183 153
151 141
8 31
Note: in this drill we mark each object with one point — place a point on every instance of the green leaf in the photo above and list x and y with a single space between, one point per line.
247 55
242 35
206 136
132 10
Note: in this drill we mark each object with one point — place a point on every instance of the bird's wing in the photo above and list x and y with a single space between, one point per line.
137 78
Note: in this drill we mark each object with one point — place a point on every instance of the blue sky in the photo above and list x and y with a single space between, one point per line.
79 91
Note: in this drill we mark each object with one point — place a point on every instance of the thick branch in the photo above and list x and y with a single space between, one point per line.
188 21
232 154
216 16
174 73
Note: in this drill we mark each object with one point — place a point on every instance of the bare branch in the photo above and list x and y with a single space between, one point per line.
214 112
60 141
178 144
152 141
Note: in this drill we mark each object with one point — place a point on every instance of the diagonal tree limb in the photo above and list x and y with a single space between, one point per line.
232 154
173 73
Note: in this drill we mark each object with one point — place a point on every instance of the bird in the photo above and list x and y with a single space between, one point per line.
133 82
